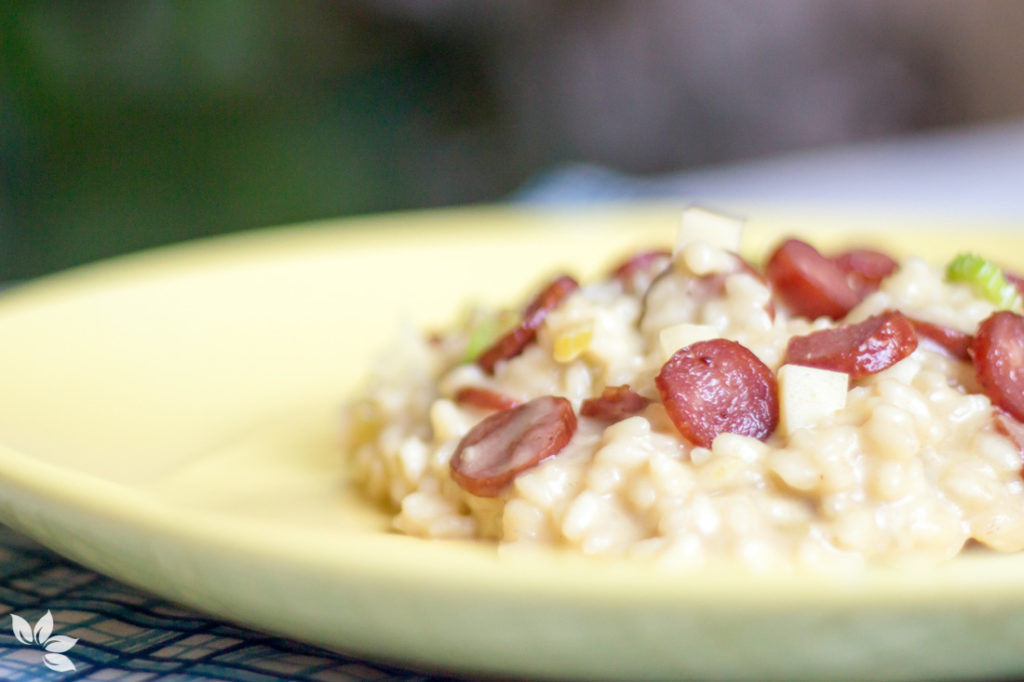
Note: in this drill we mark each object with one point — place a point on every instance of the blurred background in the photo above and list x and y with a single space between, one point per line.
125 125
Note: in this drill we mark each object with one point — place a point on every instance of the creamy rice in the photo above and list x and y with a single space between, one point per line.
912 468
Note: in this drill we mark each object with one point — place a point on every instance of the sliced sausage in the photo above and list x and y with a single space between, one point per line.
869 265
998 352
953 341
857 349
647 262
484 398
614 404
718 386
810 284
506 443
515 341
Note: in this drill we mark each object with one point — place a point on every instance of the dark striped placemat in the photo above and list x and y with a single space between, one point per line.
127 635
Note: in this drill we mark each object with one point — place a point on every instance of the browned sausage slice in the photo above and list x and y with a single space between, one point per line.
719 386
614 404
484 398
998 351
953 341
870 265
513 343
509 442
857 349
810 284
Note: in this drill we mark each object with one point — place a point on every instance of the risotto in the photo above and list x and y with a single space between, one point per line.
824 410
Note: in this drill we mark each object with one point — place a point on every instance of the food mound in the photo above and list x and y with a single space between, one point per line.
826 410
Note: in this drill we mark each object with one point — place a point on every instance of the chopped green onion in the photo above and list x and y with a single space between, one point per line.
986 277
484 330
480 337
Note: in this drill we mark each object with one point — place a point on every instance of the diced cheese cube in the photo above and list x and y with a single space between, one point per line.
808 394
701 225
681 335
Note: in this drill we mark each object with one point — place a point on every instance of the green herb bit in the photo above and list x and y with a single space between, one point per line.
480 337
484 330
986 277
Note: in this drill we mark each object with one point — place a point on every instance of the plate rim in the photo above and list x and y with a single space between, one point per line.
632 583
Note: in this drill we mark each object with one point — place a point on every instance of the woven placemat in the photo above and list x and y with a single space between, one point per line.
126 634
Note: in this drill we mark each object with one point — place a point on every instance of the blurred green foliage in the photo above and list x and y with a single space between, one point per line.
125 125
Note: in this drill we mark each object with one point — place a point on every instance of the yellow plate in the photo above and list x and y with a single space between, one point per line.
168 419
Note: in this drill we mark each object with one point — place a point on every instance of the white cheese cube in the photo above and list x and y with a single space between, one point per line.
701 225
808 394
681 335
